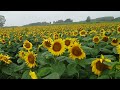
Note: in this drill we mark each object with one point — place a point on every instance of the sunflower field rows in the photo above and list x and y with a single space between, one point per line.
72 51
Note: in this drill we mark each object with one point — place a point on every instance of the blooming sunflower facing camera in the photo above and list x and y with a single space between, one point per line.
98 66
27 45
30 59
58 47
96 39
115 42
76 51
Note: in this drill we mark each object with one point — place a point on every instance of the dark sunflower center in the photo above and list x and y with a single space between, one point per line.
27 45
82 33
96 39
31 58
115 41
105 39
67 42
57 46
47 43
20 38
100 66
119 29
76 51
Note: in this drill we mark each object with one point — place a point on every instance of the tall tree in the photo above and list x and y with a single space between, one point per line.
2 20
88 19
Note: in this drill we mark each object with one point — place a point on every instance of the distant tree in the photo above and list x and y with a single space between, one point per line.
68 20
2 20
88 19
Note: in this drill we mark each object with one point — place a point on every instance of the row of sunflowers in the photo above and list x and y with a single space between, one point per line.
72 51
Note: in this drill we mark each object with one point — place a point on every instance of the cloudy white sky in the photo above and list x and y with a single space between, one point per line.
19 18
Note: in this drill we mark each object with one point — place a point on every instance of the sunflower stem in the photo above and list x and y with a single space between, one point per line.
119 57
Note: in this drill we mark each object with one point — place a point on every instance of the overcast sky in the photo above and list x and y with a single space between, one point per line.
19 18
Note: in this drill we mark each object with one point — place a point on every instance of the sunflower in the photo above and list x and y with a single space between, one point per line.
118 49
47 43
68 42
115 42
55 35
3 41
96 39
33 75
98 66
76 51
83 33
5 58
30 59
27 45
105 38
22 54
118 29
57 47
20 38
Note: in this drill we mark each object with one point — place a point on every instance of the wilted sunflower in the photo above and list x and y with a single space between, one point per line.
57 47
98 66
33 75
83 33
27 45
115 42
5 58
47 43
118 49
96 39
22 54
105 38
76 51
30 59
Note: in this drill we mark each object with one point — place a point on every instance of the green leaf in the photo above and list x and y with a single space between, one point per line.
58 67
64 58
19 61
106 51
26 75
114 50
9 69
20 67
71 69
104 77
44 71
52 76
111 57
117 75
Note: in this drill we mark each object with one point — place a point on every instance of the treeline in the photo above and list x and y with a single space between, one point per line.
107 18
100 19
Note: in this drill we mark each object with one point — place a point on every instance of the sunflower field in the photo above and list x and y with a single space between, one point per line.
72 51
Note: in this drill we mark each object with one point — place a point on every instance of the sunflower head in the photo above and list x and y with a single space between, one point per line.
68 42
98 66
83 33
118 29
30 59
118 49
47 43
105 38
22 54
27 45
5 58
96 39
76 51
55 35
20 38
115 42
57 47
